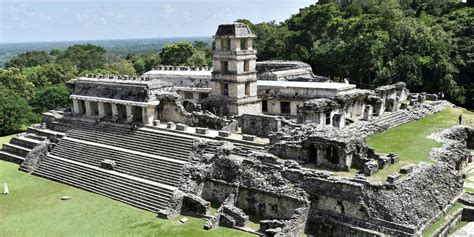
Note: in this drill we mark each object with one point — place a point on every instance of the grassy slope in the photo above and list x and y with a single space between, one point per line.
33 208
5 139
410 140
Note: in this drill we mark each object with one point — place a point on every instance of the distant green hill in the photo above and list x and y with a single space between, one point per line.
115 48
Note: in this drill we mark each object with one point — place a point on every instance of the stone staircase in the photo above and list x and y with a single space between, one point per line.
393 119
138 164
148 164
141 193
153 142
19 147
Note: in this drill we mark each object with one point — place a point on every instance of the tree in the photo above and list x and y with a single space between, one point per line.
123 67
85 57
15 111
50 97
50 74
29 59
177 54
12 79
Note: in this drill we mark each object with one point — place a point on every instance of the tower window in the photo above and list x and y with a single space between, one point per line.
328 118
246 65
247 88
244 44
285 107
224 66
225 44
225 89
264 106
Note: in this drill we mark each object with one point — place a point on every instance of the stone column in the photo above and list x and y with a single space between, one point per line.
115 112
89 111
77 109
148 114
101 109
129 113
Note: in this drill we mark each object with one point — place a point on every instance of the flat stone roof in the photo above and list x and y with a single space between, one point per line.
183 73
306 85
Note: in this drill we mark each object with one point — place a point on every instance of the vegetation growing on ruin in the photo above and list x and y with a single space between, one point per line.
410 140
442 220
427 44
36 79
34 208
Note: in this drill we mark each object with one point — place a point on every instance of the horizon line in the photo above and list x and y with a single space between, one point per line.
86 40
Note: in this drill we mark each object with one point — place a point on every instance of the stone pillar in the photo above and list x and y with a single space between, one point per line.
101 109
89 111
129 113
115 112
77 109
148 114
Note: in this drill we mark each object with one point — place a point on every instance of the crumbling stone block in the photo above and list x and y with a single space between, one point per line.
108 164
170 125
371 167
202 131
403 105
407 169
384 161
194 205
181 127
224 134
248 138
394 158
156 122
393 177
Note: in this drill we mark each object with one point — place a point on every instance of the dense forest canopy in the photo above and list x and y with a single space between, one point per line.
35 80
427 44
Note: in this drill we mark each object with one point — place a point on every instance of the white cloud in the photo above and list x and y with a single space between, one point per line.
168 10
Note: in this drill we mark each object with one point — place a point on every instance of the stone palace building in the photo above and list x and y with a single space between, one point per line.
257 138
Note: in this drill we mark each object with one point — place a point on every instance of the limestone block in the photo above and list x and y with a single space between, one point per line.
407 169
170 125
108 164
181 127
156 122
394 158
224 134
371 167
248 138
403 105
384 161
202 130
393 177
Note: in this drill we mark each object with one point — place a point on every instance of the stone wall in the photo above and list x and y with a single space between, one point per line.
260 125
35 156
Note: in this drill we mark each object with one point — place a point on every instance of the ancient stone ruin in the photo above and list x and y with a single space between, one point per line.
261 139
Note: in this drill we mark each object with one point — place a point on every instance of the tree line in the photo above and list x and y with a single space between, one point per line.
34 82
427 44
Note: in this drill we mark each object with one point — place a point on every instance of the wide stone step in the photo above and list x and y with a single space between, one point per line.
167 176
142 194
170 152
11 157
167 151
155 168
15 149
24 142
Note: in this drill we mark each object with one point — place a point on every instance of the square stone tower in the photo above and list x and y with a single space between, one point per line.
234 69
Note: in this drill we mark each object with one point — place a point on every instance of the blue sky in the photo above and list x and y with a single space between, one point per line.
58 20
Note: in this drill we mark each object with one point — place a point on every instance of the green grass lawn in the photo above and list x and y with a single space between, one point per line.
410 140
6 139
34 208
